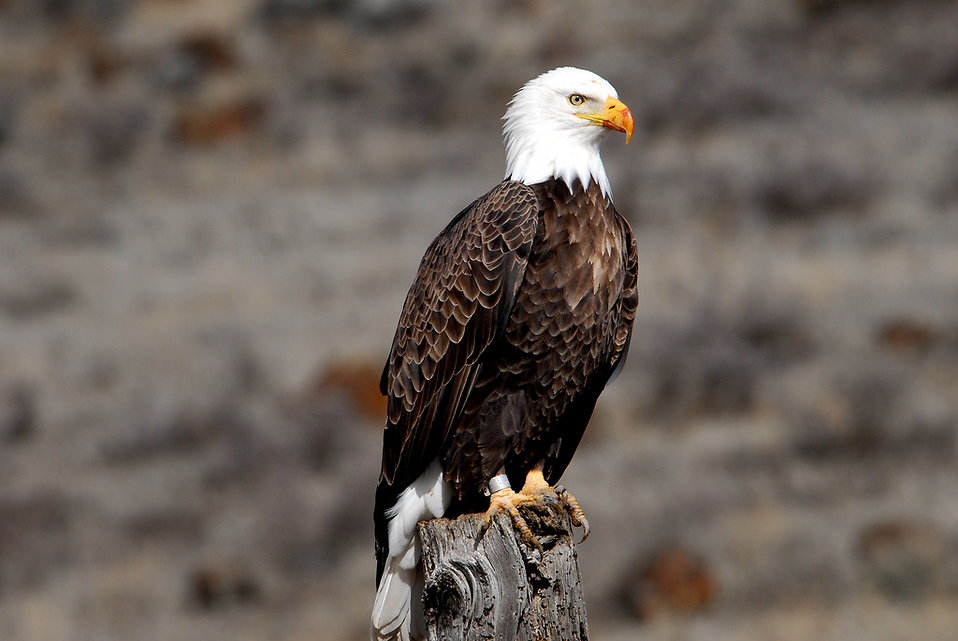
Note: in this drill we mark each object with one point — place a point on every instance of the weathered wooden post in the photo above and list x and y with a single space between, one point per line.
499 587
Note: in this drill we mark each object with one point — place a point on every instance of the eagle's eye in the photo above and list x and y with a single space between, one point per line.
576 99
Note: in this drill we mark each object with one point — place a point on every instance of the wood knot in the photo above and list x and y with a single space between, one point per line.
458 590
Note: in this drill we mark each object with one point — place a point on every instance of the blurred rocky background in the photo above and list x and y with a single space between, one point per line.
210 211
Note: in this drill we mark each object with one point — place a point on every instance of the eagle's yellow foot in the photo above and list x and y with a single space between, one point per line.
534 490
507 500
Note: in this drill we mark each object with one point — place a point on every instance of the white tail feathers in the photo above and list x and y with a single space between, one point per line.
391 620
397 612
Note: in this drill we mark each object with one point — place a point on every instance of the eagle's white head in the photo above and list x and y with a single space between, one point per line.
555 123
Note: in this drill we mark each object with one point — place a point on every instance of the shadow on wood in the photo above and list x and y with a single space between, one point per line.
502 588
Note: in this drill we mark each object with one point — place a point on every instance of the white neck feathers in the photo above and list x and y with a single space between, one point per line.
536 158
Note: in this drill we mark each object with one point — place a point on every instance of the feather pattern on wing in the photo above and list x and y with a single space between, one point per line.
456 308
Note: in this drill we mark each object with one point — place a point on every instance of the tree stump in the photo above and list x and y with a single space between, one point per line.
499 587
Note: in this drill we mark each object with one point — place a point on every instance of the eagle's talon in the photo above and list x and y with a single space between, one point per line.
486 522
527 536
586 528
550 499
575 512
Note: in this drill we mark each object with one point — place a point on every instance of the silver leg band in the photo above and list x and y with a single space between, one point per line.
499 482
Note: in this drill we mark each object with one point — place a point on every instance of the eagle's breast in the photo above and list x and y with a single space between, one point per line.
566 309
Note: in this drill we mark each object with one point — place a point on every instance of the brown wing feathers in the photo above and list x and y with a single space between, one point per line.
456 308
628 302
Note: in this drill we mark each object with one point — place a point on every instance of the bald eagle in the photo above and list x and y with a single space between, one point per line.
520 314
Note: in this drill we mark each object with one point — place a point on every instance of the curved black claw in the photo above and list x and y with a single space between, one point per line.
575 512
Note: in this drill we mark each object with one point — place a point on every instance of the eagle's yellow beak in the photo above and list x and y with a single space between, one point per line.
616 116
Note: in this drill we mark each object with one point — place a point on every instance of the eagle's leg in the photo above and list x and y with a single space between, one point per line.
536 486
